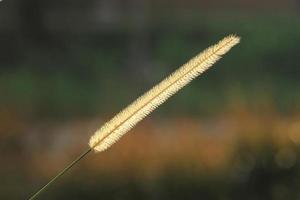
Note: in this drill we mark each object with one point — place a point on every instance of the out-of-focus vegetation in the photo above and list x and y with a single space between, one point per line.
238 155
57 71
66 67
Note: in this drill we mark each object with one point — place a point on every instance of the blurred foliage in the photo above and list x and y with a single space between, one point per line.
90 74
244 155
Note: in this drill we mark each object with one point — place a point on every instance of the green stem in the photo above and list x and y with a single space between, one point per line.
61 173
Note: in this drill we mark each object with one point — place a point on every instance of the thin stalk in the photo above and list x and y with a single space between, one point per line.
61 173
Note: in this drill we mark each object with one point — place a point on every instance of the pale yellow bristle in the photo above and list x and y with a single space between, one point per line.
114 129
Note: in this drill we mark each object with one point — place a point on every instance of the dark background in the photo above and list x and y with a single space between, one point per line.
68 66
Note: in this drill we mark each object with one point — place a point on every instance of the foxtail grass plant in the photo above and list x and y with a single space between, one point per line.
114 129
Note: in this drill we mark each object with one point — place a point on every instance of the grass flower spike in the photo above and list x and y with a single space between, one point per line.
143 106
114 129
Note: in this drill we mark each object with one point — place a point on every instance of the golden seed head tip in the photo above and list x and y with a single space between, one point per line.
235 38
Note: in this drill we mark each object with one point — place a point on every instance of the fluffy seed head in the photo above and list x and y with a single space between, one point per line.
114 129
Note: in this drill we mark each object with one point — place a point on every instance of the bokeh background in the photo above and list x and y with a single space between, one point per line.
68 66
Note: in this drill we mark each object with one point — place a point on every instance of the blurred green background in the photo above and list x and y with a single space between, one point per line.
68 66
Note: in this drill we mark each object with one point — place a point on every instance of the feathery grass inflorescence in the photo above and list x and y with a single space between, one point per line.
139 109
114 129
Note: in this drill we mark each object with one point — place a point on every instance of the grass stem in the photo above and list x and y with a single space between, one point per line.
60 174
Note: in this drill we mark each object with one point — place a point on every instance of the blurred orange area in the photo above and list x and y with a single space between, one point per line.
203 146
